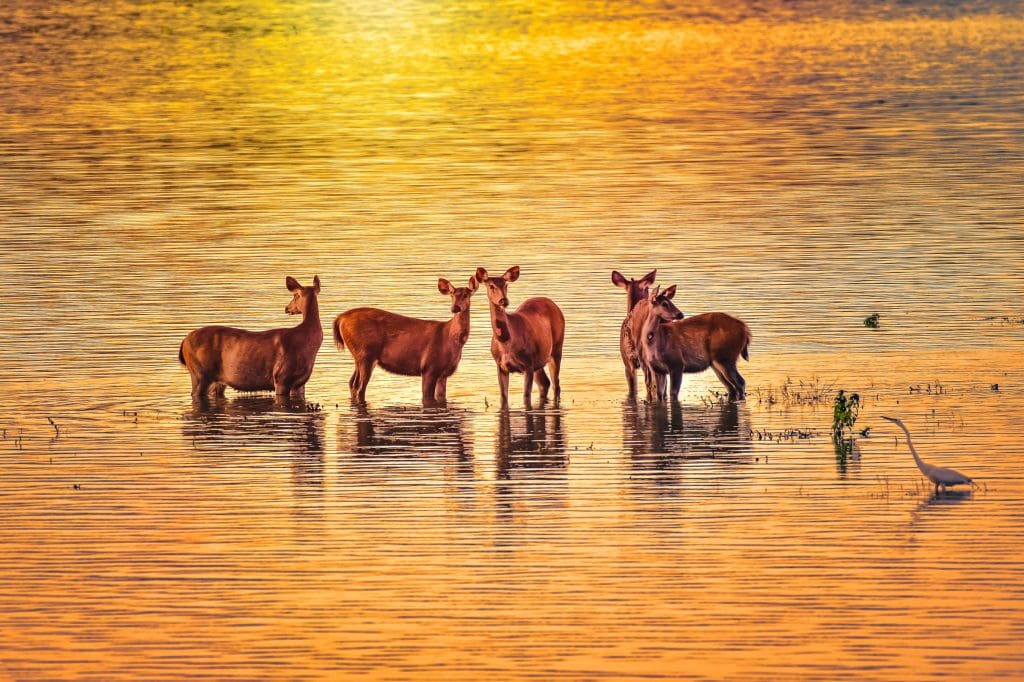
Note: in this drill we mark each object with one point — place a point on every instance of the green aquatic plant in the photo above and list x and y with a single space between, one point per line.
871 321
844 414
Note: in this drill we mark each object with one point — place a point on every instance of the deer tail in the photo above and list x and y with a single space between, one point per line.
181 353
339 341
746 347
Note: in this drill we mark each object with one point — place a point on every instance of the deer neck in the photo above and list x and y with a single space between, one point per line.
500 324
311 316
651 329
458 325
632 301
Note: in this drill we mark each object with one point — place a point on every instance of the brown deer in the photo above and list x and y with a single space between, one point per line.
525 340
406 345
629 336
673 346
278 359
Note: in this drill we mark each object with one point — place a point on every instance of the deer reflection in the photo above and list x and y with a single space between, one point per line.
531 462
260 424
661 436
530 440
403 431
684 431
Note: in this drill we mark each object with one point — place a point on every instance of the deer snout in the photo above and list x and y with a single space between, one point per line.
679 316
503 302
456 309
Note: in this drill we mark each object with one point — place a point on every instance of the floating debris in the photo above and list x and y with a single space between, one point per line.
871 321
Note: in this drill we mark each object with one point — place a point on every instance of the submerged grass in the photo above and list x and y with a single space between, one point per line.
801 392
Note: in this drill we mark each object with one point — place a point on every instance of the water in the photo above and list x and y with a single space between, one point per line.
799 165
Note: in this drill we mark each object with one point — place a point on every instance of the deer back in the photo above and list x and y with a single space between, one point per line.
702 339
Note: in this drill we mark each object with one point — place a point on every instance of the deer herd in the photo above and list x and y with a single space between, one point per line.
655 338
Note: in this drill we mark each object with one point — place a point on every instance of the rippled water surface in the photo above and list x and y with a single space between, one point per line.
801 165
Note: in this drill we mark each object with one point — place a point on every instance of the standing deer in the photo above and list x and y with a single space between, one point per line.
406 345
629 336
525 340
278 359
673 346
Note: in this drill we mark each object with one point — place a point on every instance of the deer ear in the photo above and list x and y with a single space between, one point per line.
512 274
618 280
670 292
653 294
648 279
444 286
316 283
473 284
292 283
481 274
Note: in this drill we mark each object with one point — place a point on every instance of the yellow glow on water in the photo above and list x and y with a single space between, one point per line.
167 164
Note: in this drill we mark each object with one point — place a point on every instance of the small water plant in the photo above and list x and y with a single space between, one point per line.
871 321
803 392
844 415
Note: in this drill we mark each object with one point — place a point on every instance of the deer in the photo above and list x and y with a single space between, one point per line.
673 346
279 360
406 345
525 340
637 308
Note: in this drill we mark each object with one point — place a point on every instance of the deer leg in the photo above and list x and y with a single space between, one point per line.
676 382
722 372
429 386
365 371
218 389
659 384
503 386
298 393
353 382
631 379
555 365
738 381
542 382
649 382
441 390
527 387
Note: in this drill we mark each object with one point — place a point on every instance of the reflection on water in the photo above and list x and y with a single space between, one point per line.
531 442
945 499
684 431
401 432
848 451
254 424
531 474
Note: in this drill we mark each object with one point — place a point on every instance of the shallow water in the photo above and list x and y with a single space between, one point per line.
799 165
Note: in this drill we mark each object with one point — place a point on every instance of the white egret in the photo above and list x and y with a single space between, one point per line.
937 475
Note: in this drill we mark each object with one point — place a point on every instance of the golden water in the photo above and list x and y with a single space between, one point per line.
800 165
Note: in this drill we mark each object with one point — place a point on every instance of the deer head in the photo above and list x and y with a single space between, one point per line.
662 305
461 295
497 287
301 295
637 289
